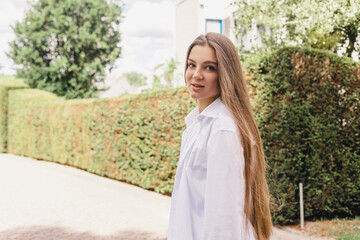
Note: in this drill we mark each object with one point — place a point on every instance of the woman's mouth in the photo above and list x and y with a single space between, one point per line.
196 86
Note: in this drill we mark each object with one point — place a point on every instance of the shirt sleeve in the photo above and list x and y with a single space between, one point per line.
224 216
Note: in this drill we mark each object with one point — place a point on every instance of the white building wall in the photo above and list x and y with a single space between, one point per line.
190 22
187 28
118 86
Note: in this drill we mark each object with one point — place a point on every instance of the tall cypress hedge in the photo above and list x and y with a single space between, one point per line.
7 83
306 103
135 139
307 108
29 122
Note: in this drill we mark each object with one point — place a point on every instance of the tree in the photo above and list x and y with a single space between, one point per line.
135 79
156 83
323 24
167 73
65 46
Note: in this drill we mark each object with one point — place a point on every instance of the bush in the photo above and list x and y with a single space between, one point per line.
307 108
306 103
132 138
7 83
29 116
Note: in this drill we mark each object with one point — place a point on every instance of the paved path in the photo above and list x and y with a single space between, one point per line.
48 201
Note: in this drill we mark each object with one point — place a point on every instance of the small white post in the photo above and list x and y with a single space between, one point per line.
301 207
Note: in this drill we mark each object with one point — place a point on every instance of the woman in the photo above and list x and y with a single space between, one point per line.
220 191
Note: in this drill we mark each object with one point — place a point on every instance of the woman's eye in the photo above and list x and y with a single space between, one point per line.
191 65
210 68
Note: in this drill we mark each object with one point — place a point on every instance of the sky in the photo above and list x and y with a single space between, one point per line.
147 34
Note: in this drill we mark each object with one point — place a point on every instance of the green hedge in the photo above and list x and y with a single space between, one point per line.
30 112
132 138
7 83
306 105
307 108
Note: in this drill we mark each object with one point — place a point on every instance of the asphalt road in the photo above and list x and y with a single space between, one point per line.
48 201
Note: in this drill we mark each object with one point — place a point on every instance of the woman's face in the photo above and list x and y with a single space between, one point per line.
202 77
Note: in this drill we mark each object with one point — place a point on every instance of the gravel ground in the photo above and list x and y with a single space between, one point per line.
48 201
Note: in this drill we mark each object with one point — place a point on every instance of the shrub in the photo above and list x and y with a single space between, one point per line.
306 103
307 108
132 138
6 84
29 117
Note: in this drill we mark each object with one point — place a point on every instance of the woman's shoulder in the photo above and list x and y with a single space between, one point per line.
224 120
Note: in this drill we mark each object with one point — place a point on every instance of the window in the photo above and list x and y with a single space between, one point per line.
213 25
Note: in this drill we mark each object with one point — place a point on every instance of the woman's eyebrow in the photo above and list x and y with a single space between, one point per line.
206 62
212 62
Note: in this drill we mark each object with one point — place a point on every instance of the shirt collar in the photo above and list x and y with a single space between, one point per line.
210 111
192 116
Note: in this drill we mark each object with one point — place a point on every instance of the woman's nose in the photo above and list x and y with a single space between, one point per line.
198 74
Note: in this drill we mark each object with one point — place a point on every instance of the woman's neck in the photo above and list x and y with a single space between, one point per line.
203 103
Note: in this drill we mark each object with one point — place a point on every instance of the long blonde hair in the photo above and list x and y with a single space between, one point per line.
234 94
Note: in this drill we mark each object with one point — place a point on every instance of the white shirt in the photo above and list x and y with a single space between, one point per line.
208 196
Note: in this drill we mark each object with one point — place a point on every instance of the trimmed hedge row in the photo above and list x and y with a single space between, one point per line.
306 105
133 138
30 112
7 83
307 108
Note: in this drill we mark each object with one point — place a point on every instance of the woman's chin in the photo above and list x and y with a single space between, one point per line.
195 96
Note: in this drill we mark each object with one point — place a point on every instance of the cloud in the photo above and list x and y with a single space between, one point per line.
154 32
143 54
135 1
20 4
150 19
147 33
11 11
9 15
127 4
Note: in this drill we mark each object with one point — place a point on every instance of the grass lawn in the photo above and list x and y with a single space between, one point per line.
339 229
